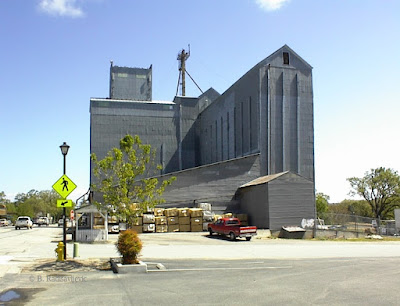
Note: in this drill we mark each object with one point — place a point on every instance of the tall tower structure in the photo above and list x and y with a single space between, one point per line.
182 57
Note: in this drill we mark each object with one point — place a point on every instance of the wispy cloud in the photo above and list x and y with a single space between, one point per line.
67 8
271 5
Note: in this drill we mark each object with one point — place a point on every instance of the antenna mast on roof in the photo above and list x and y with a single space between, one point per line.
182 57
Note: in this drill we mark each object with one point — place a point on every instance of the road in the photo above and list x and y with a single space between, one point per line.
260 272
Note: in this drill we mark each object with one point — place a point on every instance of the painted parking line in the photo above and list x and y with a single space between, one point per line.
216 269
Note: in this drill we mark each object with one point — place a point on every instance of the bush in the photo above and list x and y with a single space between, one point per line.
129 246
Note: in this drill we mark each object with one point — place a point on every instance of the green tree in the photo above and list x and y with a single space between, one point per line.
3 198
35 204
124 179
380 187
321 202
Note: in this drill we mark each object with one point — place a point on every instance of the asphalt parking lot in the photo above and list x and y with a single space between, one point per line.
265 271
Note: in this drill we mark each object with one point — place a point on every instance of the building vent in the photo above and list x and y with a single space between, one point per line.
286 58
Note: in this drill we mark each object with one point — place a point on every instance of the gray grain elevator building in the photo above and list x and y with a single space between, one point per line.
214 144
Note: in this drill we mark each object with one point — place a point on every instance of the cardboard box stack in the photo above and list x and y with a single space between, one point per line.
149 225
172 219
161 224
196 219
158 212
137 223
184 219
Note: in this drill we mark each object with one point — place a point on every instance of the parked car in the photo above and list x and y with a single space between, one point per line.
61 222
43 221
23 221
3 222
232 228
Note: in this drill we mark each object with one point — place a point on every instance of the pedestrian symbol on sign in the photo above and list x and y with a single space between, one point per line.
65 184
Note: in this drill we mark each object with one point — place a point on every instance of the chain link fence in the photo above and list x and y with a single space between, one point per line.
357 224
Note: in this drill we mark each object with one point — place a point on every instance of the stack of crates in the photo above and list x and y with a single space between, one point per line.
137 223
184 219
160 220
149 221
172 219
196 219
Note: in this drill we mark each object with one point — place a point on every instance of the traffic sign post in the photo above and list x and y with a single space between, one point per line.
64 186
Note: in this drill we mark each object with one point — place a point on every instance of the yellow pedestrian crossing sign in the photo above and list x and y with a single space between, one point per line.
64 203
64 186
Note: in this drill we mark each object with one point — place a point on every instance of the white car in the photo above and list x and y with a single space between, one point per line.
43 221
3 222
23 221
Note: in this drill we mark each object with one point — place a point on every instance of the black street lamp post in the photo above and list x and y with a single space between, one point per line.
64 150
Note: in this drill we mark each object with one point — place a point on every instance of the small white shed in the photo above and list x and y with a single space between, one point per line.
91 224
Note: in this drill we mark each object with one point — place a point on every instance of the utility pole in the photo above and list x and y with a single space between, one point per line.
182 57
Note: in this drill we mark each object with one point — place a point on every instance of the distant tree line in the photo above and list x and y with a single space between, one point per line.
380 190
33 204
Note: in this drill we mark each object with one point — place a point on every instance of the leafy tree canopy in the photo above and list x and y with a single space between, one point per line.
34 204
356 207
3 198
321 202
124 178
380 187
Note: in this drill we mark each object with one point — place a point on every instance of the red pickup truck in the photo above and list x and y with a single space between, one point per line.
231 227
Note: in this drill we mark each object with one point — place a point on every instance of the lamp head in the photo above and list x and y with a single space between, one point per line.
64 148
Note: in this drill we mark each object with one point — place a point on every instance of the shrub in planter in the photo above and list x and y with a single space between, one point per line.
129 246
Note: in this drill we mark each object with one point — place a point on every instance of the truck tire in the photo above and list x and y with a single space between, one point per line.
248 238
232 236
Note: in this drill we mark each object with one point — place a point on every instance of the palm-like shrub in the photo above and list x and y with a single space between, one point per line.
129 246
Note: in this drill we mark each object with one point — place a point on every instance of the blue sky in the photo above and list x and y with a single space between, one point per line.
55 55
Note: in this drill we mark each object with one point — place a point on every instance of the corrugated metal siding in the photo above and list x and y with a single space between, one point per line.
215 184
291 198
273 99
131 83
254 202
154 123
284 200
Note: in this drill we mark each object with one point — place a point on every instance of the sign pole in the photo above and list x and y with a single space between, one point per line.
64 218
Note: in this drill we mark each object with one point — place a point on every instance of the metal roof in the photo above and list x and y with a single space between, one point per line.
91 208
263 179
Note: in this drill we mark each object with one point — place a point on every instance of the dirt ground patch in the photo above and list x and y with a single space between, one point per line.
50 265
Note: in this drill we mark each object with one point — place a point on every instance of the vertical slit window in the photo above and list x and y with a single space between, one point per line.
222 139
286 58
227 135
